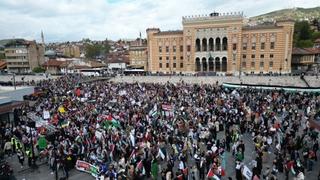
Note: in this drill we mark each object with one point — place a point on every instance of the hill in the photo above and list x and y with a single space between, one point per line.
297 14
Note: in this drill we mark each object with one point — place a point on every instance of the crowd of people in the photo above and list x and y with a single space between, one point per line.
168 131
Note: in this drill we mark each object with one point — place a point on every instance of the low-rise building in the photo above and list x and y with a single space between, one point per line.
305 60
23 56
138 57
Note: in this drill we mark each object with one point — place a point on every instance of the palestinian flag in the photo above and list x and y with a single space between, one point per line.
110 122
140 167
212 176
132 155
154 111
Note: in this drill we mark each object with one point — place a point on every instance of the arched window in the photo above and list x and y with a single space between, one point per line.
204 44
217 64
224 64
198 45
198 65
211 44
211 64
218 44
204 64
224 44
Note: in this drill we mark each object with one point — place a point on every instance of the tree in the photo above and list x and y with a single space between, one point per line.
94 50
305 43
38 70
2 56
302 34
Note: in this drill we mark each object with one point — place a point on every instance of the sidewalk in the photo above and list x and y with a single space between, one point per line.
42 172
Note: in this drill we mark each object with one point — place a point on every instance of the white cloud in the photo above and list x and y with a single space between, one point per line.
68 20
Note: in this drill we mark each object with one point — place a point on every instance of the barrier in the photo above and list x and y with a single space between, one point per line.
273 87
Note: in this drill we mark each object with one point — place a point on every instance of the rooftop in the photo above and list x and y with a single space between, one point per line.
53 63
213 16
169 32
305 51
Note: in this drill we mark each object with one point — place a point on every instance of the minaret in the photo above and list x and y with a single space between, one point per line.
140 39
42 37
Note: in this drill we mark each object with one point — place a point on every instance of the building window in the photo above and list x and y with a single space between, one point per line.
181 65
244 56
262 45
174 58
271 56
160 49
167 64
181 48
262 56
244 46
253 56
252 64
160 58
271 64
167 58
244 64
253 47
181 57
174 48
234 46
160 65
261 64
272 45
167 49
188 48
174 65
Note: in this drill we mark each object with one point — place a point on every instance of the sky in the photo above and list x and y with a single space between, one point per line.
73 20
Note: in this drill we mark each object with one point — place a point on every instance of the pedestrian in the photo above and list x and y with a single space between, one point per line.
20 156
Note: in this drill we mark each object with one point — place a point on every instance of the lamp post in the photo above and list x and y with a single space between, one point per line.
14 81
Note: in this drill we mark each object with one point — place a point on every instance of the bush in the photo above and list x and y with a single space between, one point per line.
38 70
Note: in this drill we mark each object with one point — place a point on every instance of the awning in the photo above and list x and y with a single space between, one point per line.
5 108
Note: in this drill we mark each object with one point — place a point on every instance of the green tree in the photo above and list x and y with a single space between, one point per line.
2 56
302 34
38 70
305 43
94 50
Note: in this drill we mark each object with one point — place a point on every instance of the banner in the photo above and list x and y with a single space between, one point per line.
247 173
87 167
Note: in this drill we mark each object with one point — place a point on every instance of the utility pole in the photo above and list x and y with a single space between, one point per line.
14 81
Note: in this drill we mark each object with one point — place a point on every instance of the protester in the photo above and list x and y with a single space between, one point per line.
170 130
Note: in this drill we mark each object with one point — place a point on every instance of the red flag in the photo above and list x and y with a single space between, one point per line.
109 118
223 173
210 173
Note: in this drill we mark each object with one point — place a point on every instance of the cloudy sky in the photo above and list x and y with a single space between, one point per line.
71 20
